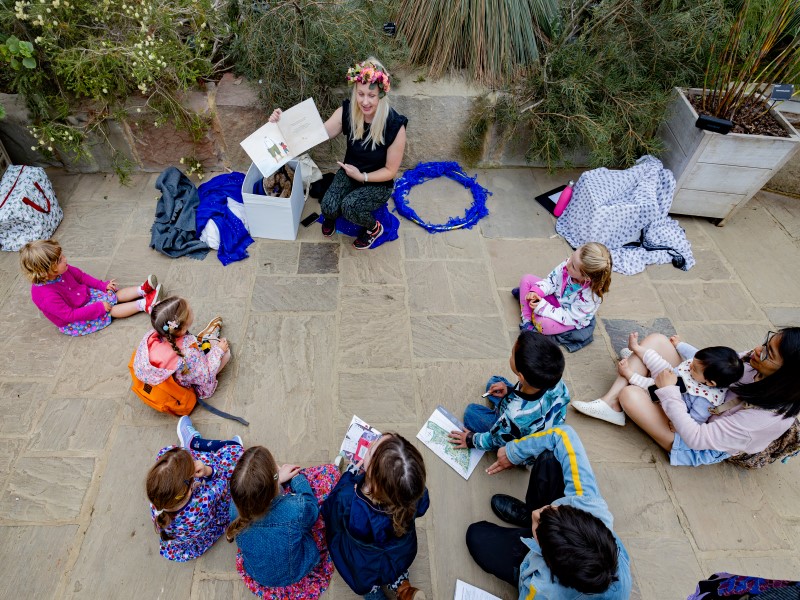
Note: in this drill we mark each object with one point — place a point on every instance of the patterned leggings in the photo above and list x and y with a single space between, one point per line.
353 200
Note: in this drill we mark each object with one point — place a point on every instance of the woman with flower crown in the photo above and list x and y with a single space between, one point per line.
376 140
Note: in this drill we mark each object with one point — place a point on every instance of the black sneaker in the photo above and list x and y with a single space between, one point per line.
328 227
367 238
511 510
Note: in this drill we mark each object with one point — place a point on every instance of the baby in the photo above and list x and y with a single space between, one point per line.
703 376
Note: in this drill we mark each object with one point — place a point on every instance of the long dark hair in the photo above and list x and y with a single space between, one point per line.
779 392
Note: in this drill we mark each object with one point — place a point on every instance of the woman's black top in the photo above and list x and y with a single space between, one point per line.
360 153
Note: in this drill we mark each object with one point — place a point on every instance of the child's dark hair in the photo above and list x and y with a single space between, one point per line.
579 549
167 485
538 359
721 365
168 318
253 485
396 480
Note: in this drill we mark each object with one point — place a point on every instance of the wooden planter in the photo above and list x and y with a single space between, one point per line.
717 174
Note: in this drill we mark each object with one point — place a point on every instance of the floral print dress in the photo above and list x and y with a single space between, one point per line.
201 522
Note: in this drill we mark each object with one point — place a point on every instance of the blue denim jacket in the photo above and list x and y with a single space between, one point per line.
535 579
278 549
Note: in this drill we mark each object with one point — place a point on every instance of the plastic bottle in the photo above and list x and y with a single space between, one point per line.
563 199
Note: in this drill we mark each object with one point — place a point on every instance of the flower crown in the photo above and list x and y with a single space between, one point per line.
370 74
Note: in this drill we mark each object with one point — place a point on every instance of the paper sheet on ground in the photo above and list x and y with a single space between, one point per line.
465 591
434 435
357 439
273 145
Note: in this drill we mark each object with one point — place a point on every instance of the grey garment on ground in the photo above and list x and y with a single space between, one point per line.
353 200
614 207
575 339
174 231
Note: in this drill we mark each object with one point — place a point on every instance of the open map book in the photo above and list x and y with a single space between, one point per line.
434 435
275 144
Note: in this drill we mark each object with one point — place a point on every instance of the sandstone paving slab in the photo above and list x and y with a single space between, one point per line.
190 278
275 257
783 316
220 559
91 229
119 553
714 497
784 209
618 330
707 301
64 184
456 244
46 488
770 567
383 265
546 180
33 557
318 258
664 568
710 266
284 386
605 442
74 424
9 450
428 287
638 498
449 287
282 294
464 337
377 395
781 487
212 589
632 296
740 336
136 260
19 405
513 210
511 259
470 285
373 330
590 371
9 272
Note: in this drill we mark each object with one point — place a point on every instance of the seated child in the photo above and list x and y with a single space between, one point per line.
703 377
570 296
78 303
277 527
170 350
369 519
537 401
188 492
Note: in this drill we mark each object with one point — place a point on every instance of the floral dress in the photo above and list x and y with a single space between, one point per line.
79 328
201 522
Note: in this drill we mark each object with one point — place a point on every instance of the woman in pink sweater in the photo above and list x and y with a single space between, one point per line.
758 409
78 303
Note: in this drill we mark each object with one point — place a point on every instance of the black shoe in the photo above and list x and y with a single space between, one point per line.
328 227
367 237
515 293
511 510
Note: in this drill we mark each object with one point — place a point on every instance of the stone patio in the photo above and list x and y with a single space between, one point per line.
321 332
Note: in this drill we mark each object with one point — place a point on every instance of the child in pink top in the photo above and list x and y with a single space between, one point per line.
78 303
171 351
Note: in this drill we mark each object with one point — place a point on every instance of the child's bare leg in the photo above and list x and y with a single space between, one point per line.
225 357
126 309
647 415
128 294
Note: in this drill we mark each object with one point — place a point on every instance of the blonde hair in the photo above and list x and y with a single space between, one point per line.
596 265
378 125
167 485
168 317
38 260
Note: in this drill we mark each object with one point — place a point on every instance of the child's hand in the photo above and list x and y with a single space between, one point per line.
498 389
459 438
107 306
675 339
624 370
275 116
666 378
286 472
501 464
533 299
224 345
112 286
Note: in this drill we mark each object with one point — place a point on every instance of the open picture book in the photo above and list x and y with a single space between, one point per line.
358 438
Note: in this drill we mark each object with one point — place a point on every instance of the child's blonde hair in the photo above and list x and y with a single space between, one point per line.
168 483
378 125
38 260
597 264
169 317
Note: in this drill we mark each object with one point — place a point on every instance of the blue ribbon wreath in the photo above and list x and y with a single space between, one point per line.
425 171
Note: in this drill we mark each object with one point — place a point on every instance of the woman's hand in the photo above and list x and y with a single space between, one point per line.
459 438
666 378
275 116
498 389
112 286
352 172
287 472
501 464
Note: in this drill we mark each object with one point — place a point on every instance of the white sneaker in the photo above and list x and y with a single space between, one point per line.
599 410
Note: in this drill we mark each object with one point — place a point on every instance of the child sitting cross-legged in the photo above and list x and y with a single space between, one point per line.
702 378
536 402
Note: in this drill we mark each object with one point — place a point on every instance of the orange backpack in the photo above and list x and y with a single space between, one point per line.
167 397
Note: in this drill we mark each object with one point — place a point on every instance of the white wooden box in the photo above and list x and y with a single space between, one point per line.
717 174
270 217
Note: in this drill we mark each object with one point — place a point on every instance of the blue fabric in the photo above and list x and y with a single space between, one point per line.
361 564
174 230
278 549
391 225
575 339
683 456
479 418
233 235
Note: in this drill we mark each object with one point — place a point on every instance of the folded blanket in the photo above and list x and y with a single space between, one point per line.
233 236
173 233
